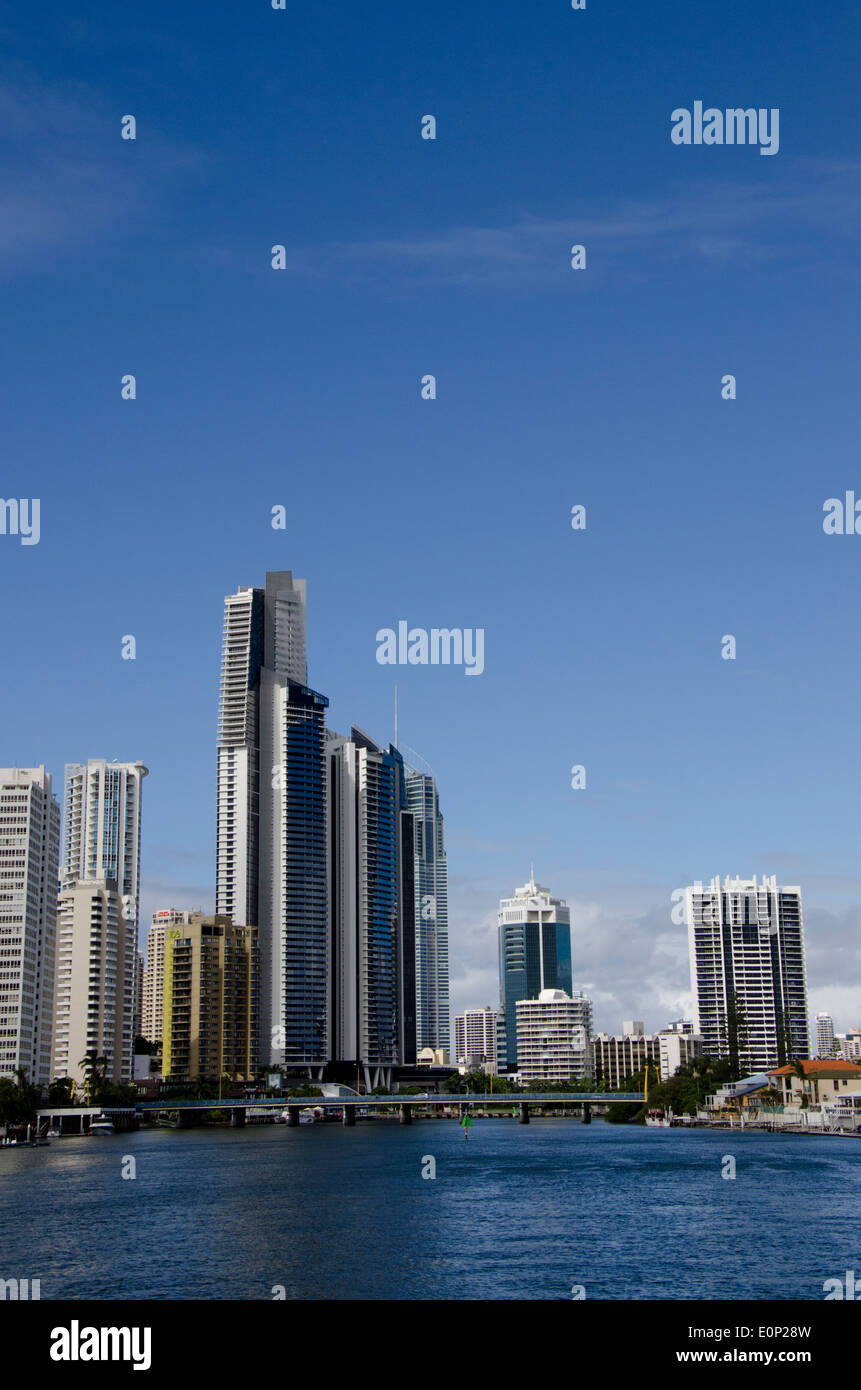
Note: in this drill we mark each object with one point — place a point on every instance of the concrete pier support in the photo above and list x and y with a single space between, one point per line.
405 1114
587 1114
292 1120
348 1115
184 1119
237 1118
524 1113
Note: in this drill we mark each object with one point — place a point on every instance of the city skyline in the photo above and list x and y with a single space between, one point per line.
301 389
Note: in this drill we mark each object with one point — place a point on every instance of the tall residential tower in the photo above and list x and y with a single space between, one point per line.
431 913
271 853
29 863
746 947
372 1013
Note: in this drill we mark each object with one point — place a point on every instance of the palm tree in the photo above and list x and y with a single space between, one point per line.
93 1065
798 1067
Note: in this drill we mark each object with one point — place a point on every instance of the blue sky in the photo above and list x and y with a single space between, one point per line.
554 387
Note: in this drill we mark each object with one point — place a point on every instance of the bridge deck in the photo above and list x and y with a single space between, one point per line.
377 1102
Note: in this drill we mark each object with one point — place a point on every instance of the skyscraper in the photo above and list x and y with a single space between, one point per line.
102 828
534 954
431 913
95 1004
271 853
153 980
98 917
29 863
372 907
746 947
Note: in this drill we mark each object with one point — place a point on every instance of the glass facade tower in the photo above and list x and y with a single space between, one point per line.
534 955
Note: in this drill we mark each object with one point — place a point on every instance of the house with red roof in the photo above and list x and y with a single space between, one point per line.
826 1080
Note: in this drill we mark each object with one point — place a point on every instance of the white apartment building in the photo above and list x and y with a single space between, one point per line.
825 1042
102 827
29 864
554 1036
97 918
475 1038
746 947
95 981
678 1045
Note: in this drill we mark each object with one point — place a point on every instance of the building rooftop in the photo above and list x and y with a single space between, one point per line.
827 1069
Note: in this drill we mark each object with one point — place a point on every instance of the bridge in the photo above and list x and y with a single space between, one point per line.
348 1105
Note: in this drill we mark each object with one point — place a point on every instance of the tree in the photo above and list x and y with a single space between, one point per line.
61 1091
736 1032
798 1068
93 1065
19 1100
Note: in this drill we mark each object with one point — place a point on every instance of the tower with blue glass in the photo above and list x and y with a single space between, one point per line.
271 855
534 954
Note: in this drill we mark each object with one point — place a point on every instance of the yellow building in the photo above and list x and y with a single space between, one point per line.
211 986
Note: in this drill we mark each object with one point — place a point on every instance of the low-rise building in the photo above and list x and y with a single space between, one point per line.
823 1081
678 1045
617 1055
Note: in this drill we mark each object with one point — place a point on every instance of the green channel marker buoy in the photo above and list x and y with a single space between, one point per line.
466 1123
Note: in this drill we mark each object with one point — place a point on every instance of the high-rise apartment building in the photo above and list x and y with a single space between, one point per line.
534 955
98 905
139 974
152 1013
102 828
95 980
211 979
29 864
372 1014
475 1038
554 1037
271 854
431 913
825 1042
746 946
